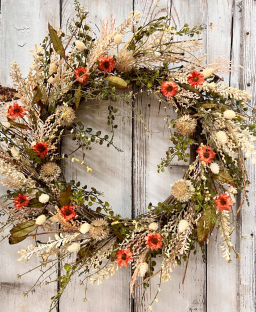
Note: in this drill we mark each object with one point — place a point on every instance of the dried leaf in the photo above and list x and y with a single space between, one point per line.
18 125
37 95
35 203
208 105
117 82
56 41
20 231
224 177
78 96
189 88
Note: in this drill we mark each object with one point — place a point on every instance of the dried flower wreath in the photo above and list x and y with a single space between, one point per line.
214 120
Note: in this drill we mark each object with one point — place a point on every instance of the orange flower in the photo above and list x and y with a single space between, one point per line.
206 154
123 257
169 88
106 63
68 212
195 79
21 201
15 111
41 148
80 75
154 241
223 202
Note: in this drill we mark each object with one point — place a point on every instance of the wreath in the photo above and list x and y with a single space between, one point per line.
214 131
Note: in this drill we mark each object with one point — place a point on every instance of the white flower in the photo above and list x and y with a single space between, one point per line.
208 72
229 114
85 227
118 39
153 226
143 269
6 124
40 220
33 143
183 225
15 153
215 168
44 198
222 137
74 247
232 190
80 45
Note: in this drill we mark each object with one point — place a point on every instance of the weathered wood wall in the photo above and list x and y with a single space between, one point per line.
129 179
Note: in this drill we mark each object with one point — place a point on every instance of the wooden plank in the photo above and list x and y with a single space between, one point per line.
22 25
219 28
246 275
111 174
150 186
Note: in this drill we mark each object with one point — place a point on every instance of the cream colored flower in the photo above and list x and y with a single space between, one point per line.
33 143
85 227
143 269
208 72
222 137
50 172
185 125
15 153
118 39
44 198
80 45
40 220
99 229
215 168
183 226
52 68
229 114
53 80
153 226
182 190
65 114
74 247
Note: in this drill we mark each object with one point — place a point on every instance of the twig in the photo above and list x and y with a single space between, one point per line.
184 276
244 183
147 279
70 38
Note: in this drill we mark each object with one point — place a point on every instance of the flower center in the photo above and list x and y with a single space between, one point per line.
206 155
22 200
169 88
41 148
123 257
16 110
154 240
68 212
195 78
223 201
106 64
81 73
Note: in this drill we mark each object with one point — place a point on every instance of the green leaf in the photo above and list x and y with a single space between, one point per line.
189 88
117 82
20 231
208 105
205 224
65 196
224 177
35 203
18 125
56 41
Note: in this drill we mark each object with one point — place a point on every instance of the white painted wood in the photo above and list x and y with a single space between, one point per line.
111 174
23 23
246 275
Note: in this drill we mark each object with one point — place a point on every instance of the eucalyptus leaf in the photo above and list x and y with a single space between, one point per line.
117 82
56 41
